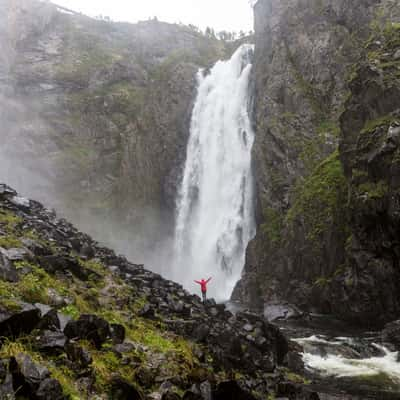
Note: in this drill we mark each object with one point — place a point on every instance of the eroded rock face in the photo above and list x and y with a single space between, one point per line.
98 112
305 54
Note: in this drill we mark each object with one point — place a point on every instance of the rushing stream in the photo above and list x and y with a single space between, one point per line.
346 363
215 218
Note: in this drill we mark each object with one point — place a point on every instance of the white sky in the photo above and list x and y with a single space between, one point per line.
231 15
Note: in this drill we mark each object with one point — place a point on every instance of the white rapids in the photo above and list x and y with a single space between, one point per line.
338 366
215 216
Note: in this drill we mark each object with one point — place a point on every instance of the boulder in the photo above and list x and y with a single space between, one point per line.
50 342
7 270
15 323
231 390
122 390
391 334
50 389
78 355
89 327
117 332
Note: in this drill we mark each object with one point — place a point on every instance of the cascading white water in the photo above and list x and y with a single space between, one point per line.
335 365
215 217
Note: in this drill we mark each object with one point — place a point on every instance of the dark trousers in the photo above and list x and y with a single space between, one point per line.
204 294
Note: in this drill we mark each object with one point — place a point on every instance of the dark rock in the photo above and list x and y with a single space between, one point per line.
391 334
170 395
7 270
147 311
89 327
206 390
201 332
124 347
77 354
15 323
51 342
6 388
6 191
87 251
117 333
63 263
191 395
231 390
281 311
50 318
27 373
50 389
122 390
20 202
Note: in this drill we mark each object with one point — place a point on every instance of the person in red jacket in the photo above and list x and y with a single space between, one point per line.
203 284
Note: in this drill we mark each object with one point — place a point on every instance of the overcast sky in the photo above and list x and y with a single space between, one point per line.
231 15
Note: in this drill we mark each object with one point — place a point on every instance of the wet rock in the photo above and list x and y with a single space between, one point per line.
122 390
391 334
206 390
20 202
231 390
170 395
147 311
15 323
191 395
7 270
201 332
6 381
117 333
281 311
26 372
77 354
89 327
6 191
51 342
50 389
50 319
62 263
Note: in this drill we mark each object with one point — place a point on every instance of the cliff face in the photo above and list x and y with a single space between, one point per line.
99 111
306 55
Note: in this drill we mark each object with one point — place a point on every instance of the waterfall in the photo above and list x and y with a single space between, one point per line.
215 215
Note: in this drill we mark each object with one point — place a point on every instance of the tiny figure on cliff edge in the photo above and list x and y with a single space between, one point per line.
203 284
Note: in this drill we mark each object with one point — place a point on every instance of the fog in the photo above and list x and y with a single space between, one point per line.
199 13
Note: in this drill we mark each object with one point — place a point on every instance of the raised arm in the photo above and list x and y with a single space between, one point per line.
198 282
209 279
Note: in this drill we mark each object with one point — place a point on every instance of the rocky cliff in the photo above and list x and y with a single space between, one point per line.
326 72
97 113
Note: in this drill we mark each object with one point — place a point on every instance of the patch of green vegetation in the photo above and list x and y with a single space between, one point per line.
322 281
328 127
381 122
71 310
273 225
296 378
65 376
373 190
319 199
9 242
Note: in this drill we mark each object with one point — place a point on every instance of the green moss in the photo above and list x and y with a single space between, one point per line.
372 190
71 310
382 122
319 198
273 225
9 241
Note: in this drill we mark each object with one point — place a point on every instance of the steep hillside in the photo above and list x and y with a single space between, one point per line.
79 322
97 113
306 76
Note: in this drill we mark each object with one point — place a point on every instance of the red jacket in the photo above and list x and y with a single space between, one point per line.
203 284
